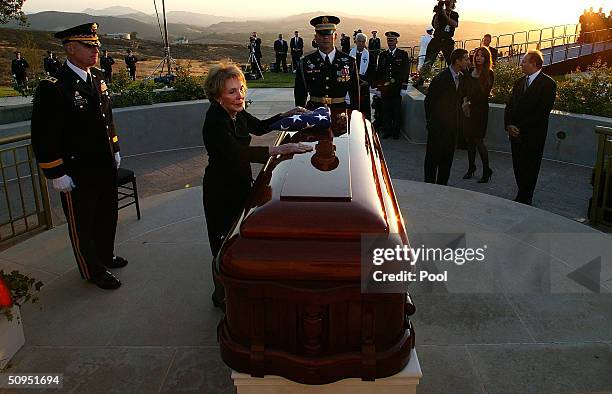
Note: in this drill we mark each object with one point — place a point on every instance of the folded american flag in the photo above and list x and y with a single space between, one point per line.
319 118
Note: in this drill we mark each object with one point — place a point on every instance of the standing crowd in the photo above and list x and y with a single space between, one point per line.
83 167
595 26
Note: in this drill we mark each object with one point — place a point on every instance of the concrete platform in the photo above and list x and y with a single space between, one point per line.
508 326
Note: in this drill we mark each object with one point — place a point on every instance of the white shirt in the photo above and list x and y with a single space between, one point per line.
332 55
532 77
80 72
392 52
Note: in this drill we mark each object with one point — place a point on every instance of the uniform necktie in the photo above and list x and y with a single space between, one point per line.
327 62
89 81
526 85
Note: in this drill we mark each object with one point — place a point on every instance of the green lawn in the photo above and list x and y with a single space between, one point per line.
6 91
273 80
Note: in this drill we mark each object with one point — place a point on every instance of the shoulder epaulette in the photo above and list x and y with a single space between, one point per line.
50 79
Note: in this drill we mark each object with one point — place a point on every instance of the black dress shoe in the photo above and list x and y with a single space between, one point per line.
117 262
106 280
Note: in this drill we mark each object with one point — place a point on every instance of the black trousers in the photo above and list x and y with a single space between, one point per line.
295 61
439 156
364 101
526 162
108 76
91 212
132 73
281 58
446 45
392 104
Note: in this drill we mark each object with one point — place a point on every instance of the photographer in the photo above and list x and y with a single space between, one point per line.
255 53
445 21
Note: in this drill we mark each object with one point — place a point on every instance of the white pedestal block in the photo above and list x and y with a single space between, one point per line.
11 337
404 382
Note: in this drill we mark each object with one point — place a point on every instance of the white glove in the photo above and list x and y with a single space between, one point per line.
63 184
117 158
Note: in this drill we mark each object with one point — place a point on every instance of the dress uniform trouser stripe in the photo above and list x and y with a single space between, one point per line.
75 237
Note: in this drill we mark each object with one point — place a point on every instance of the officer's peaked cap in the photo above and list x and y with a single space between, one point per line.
86 33
325 24
392 34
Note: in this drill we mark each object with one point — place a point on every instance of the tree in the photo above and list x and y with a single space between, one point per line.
11 10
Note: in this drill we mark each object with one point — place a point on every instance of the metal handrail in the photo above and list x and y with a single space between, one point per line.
520 42
20 194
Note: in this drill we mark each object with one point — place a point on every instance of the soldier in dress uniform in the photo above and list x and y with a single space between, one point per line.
374 46
325 76
106 63
19 69
393 70
130 62
51 64
74 140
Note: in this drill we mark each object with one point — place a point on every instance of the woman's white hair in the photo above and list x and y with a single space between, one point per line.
361 35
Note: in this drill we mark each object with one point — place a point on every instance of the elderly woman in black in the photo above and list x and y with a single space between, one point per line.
228 178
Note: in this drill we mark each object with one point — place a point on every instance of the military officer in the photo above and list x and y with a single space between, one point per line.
325 76
130 62
74 140
106 63
19 69
374 46
51 64
392 72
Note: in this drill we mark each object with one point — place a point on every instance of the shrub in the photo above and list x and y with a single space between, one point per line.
136 93
587 92
506 73
22 289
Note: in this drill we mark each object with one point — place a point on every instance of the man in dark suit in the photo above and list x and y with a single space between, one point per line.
297 50
486 42
74 140
51 64
526 121
392 70
19 69
281 49
442 116
374 46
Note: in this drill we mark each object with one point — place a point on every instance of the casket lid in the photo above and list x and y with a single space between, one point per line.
304 206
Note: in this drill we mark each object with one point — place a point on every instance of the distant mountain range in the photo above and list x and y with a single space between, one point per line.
211 29
182 17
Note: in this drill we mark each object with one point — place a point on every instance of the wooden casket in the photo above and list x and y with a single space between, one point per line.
291 265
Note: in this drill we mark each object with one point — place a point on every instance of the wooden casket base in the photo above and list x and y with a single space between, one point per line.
338 333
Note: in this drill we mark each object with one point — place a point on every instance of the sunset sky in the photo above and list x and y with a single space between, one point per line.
541 11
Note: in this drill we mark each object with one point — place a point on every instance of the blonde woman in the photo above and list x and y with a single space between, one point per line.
227 177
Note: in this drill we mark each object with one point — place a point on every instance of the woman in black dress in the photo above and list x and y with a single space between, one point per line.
476 88
227 177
